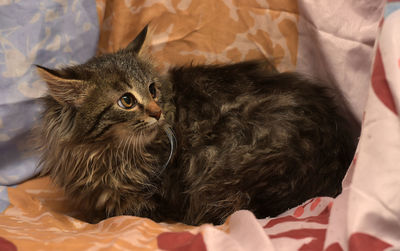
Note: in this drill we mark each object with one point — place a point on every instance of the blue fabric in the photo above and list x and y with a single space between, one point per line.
46 32
3 198
391 7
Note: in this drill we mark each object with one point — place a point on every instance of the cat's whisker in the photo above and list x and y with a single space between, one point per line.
135 153
127 145
139 154
120 143
121 149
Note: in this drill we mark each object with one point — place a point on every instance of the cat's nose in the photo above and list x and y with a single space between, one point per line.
153 110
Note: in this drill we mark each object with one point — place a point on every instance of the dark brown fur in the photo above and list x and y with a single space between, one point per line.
247 138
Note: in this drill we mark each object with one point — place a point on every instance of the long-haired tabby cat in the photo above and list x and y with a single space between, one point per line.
191 146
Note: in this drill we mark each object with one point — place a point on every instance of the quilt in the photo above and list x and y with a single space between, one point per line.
354 44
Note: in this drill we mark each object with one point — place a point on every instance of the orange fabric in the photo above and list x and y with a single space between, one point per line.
38 219
204 31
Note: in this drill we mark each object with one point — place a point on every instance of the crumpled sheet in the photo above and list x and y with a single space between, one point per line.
332 40
336 43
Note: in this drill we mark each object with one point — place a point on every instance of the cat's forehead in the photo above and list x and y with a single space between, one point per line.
116 68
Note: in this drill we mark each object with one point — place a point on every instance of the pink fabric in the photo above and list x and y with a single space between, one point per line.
336 40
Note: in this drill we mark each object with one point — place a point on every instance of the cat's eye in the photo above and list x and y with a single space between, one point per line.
153 91
127 101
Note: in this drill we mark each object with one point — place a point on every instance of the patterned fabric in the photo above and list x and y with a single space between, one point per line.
330 39
50 33
205 31
367 211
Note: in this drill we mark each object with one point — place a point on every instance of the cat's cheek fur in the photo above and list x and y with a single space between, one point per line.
150 135
125 131
151 121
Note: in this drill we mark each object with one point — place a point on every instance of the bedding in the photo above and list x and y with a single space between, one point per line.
353 44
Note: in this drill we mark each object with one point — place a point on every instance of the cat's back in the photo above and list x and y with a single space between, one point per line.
266 135
213 91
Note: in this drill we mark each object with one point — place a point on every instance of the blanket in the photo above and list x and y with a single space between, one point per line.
352 44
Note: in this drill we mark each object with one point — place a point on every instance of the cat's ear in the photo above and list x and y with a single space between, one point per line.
63 90
140 44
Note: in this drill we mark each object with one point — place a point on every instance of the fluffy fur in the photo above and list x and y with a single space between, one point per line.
248 137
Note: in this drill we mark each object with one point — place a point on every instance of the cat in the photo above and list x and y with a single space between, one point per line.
193 145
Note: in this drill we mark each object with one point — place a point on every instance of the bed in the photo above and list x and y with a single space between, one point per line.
355 45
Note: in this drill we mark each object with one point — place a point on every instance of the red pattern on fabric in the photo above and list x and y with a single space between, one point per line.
380 84
362 241
181 241
299 211
334 247
315 203
318 236
322 218
6 245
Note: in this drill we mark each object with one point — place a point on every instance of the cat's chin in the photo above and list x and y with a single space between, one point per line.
150 132
144 135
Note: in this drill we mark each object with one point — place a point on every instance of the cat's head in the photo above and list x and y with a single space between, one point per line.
110 95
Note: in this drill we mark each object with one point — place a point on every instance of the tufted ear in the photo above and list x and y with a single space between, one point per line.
138 45
62 89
